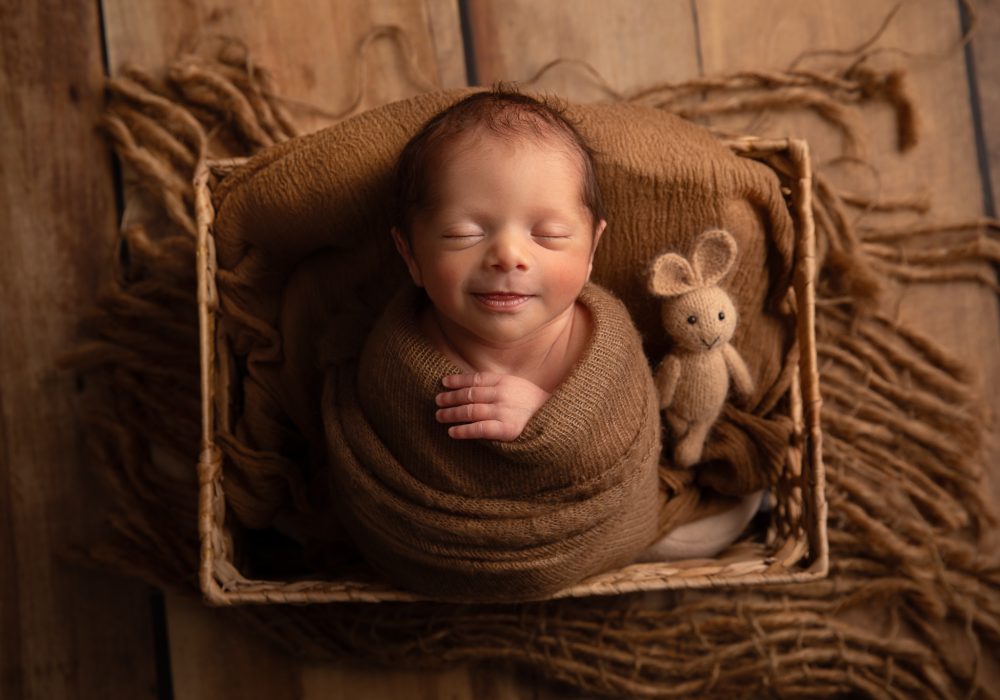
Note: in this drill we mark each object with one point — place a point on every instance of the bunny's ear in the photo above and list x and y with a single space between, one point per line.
671 275
714 253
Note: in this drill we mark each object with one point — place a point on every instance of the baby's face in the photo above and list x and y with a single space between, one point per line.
508 244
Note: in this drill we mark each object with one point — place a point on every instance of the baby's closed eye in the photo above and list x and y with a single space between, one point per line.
462 237
551 229
462 233
551 237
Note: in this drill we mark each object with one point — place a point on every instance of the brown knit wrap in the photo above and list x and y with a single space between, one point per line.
306 264
576 494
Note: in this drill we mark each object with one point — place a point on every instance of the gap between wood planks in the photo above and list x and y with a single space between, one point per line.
976 108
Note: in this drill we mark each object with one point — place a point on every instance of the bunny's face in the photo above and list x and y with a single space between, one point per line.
701 320
697 314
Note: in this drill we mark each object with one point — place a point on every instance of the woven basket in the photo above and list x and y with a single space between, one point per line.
795 548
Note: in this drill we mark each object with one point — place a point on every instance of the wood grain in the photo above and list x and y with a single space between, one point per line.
214 657
631 45
311 50
65 632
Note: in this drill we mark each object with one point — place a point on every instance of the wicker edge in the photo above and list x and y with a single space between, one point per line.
804 285
222 584
211 498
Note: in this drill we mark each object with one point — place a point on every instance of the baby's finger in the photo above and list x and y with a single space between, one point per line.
457 381
472 394
467 413
483 430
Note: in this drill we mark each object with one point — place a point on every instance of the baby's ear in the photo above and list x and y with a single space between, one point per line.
714 253
671 276
598 232
405 252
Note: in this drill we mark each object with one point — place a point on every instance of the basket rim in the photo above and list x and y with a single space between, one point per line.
222 584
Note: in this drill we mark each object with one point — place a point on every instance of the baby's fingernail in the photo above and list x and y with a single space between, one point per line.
448 379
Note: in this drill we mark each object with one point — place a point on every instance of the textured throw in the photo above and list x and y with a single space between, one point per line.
912 605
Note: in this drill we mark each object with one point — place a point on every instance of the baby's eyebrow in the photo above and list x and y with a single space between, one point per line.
555 220
458 217
548 227
457 209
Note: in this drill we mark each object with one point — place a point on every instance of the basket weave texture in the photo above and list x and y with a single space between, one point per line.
795 548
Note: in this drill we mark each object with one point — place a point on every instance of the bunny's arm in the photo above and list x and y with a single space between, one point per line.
666 379
738 371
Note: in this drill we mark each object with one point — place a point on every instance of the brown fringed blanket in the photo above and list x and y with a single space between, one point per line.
576 494
912 605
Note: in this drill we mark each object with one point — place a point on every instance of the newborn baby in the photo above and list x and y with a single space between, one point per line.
500 439
502 240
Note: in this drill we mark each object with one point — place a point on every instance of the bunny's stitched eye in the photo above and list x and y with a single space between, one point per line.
692 319
722 315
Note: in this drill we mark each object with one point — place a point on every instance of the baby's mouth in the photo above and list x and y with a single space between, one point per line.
502 301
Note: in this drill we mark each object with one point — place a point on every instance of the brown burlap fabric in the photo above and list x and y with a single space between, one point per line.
305 266
912 605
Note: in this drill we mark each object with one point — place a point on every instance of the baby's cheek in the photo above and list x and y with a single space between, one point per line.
565 281
443 281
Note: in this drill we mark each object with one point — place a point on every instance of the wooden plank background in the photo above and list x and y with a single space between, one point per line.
61 627
66 632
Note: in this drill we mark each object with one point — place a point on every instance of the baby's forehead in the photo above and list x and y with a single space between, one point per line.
469 143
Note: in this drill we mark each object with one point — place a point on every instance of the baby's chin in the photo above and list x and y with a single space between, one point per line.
506 321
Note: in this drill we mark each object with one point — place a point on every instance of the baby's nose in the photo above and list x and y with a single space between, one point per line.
508 251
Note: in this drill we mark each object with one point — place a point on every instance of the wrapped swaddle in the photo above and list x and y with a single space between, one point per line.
306 273
576 494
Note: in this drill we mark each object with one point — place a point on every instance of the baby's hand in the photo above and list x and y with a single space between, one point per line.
489 406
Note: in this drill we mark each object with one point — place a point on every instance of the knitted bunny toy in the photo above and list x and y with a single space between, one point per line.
699 316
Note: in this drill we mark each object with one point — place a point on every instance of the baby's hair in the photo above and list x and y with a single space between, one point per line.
503 112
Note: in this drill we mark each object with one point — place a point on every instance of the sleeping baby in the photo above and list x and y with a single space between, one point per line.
499 219
501 438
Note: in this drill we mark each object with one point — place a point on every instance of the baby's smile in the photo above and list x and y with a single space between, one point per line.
507 302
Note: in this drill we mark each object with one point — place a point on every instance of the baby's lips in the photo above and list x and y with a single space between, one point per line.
502 300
